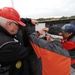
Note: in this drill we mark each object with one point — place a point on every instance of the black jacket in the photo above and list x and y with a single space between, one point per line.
25 32
13 55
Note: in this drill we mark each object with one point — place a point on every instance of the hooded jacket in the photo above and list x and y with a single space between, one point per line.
51 55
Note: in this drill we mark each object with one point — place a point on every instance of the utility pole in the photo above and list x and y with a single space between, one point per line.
12 3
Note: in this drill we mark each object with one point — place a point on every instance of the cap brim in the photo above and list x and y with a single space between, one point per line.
21 23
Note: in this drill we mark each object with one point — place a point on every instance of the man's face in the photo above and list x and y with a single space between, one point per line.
67 35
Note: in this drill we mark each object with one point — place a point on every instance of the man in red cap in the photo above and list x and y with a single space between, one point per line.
12 52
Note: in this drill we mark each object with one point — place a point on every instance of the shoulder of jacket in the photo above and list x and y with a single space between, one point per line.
4 39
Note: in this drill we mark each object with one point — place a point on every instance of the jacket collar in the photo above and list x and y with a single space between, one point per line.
5 32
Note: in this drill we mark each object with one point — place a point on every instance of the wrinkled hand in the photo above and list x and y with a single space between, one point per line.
46 29
34 21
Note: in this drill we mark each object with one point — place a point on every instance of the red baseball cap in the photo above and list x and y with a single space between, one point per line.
12 14
0 11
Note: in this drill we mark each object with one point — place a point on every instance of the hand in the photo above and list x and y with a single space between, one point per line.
34 21
48 38
46 29
41 31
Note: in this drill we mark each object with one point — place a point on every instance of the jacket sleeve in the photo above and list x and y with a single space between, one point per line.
38 44
27 21
69 45
37 40
41 46
13 52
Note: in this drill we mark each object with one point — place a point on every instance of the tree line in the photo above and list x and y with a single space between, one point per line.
51 19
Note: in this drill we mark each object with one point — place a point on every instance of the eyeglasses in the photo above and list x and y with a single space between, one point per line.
16 23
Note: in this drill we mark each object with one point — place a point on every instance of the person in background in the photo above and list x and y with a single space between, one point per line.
13 54
50 55
68 42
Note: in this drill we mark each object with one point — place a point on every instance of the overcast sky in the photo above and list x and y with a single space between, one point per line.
42 8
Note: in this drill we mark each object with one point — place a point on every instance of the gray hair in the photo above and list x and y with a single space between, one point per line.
3 21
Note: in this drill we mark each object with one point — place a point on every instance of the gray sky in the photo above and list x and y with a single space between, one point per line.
42 8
